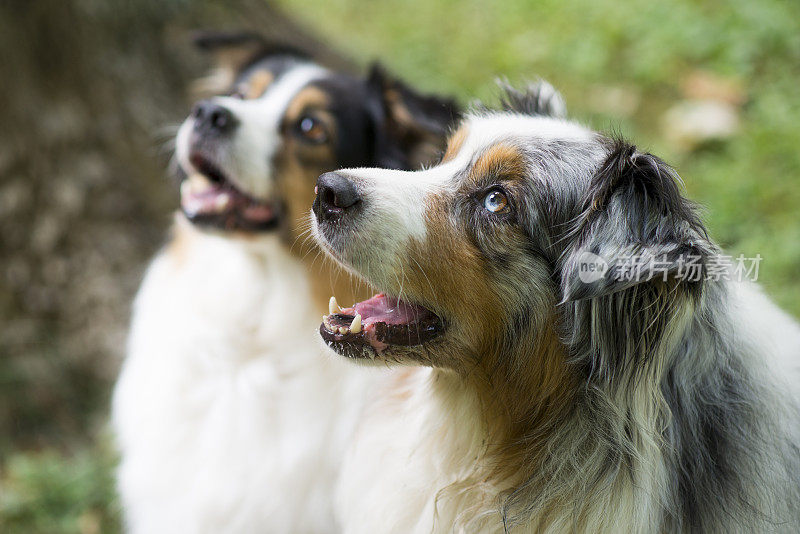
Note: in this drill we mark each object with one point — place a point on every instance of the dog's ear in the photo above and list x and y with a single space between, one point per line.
234 50
637 264
231 52
410 128
636 227
538 98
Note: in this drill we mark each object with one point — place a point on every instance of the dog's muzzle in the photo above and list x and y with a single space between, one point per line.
213 120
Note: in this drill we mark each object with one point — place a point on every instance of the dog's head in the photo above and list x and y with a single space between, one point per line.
480 257
249 156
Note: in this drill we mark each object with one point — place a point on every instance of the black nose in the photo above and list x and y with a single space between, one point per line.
211 118
335 195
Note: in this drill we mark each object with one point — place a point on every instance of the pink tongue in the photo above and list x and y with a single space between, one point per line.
210 202
383 309
258 212
203 203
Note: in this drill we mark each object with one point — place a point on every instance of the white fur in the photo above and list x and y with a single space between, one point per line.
229 416
406 451
771 330
259 131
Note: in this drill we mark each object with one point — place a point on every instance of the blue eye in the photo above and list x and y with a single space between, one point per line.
496 202
312 130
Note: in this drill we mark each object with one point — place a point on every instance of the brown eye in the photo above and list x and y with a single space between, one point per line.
496 202
312 130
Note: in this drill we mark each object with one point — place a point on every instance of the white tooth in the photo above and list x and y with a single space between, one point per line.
343 330
222 201
333 306
197 183
355 326
186 188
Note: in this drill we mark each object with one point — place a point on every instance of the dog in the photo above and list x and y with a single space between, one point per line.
535 395
225 421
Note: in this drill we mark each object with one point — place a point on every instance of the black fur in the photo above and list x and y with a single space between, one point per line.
538 98
391 103
212 41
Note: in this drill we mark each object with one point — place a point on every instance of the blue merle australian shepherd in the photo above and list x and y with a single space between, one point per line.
531 398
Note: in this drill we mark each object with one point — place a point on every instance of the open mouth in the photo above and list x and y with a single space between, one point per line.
370 327
209 198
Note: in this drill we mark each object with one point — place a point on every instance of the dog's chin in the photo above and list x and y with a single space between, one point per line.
211 201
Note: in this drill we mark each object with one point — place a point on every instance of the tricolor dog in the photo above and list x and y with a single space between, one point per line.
530 397
229 415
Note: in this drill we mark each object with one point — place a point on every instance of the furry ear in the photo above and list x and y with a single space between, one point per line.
538 98
229 50
636 227
411 128
230 53
234 50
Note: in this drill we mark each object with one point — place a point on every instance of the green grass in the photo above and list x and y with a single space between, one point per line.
49 492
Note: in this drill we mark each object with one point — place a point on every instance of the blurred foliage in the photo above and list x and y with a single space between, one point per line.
47 492
92 80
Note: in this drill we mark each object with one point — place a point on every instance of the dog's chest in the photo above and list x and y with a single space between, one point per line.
222 400
235 302
417 446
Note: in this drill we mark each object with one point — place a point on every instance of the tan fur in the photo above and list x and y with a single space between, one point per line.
216 81
308 97
520 402
501 161
544 379
398 109
227 63
455 143
448 269
515 400
298 167
258 84
177 250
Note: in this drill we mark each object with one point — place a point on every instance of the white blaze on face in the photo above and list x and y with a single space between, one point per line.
393 213
247 157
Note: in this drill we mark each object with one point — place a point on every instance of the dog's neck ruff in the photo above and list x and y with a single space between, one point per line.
610 461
